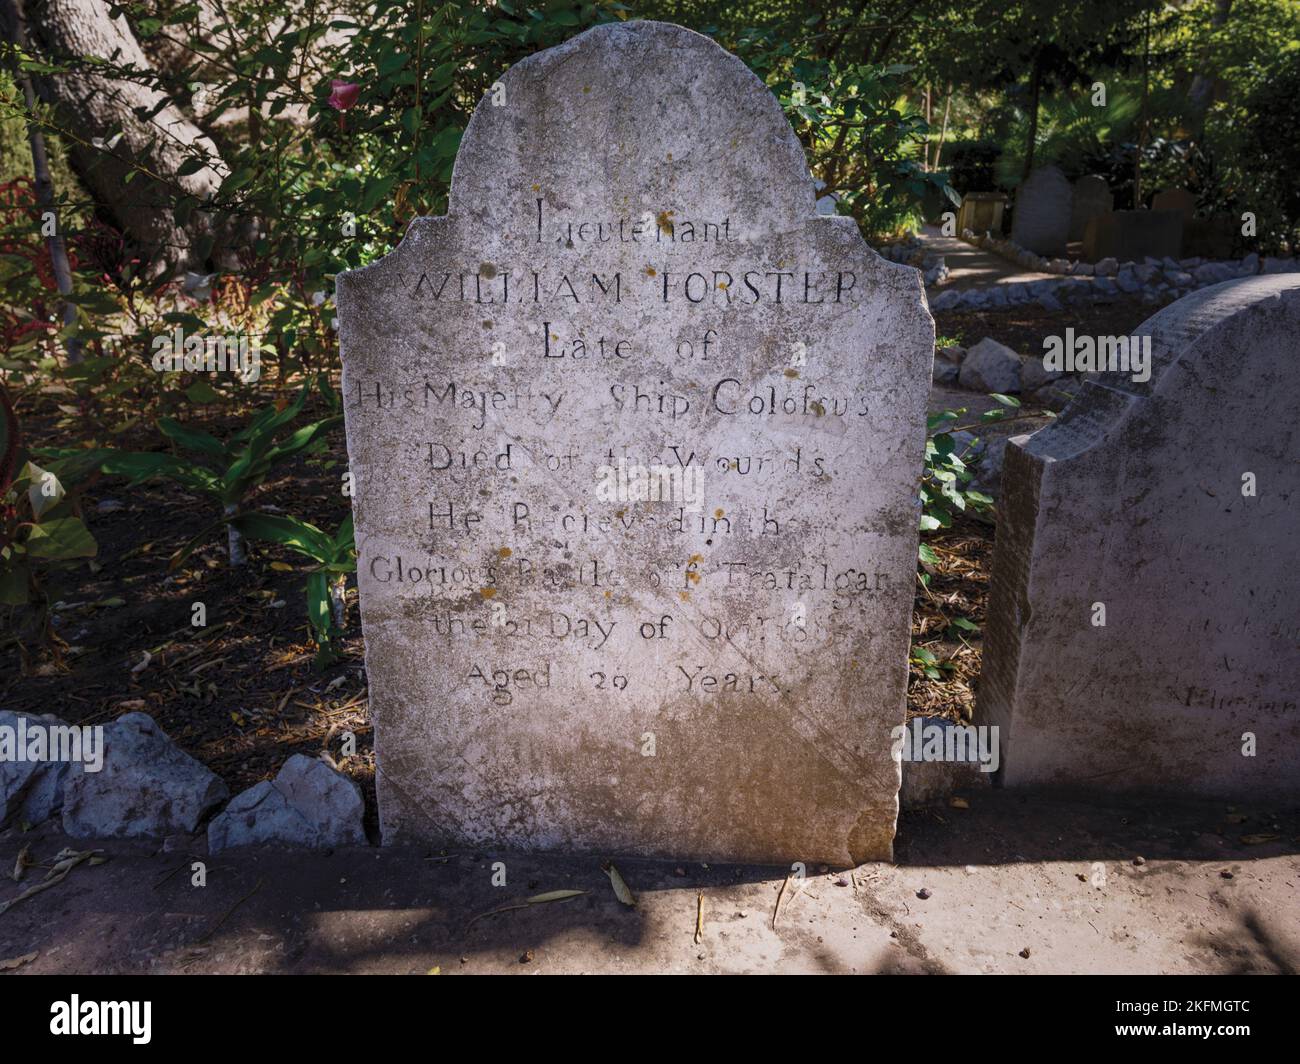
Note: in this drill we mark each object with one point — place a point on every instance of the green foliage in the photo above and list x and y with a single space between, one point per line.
335 557
16 152
225 471
1263 174
947 471
1071 133
928 663
862 139
40 529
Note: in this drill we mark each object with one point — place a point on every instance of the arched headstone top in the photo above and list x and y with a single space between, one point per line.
1215 322
1041 221
618 120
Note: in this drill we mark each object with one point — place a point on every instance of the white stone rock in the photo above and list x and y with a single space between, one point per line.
990 367
308 805
147 788
1213 273
31 791
945 372
1033 376
1127 281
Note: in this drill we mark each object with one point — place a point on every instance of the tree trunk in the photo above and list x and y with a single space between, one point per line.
45 198
137 177
928 122
943 132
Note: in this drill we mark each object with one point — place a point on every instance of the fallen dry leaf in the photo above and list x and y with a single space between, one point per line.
23 862
621 891
536 899
17 962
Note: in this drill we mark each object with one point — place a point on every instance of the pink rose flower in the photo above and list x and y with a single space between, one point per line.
344 95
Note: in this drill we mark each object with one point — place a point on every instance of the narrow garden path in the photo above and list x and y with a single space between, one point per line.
972 267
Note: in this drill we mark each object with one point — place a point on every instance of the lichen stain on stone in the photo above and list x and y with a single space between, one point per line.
650 271
792 373
505 552
487 592
664 219
487 270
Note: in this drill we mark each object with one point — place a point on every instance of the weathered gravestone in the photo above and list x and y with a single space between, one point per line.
1092 198
1166 509
1041 221
981 212
1215 237
1131 236
636 439
1175 199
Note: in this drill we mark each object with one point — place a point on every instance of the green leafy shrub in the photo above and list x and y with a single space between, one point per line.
40 528
335 556
224 471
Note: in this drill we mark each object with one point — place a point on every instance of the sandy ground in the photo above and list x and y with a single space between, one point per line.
1016 883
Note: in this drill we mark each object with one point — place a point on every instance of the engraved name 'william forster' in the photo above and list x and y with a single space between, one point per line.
636 438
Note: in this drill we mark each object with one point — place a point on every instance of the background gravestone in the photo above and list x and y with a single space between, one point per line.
1041 221
981 212
1175 199
631 275
1134 499
1092 198
1131 236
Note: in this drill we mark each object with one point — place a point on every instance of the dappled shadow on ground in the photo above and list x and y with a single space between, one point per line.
1007 826
1013 883
1255 942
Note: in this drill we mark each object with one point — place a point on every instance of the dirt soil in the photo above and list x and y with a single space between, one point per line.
1014 884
